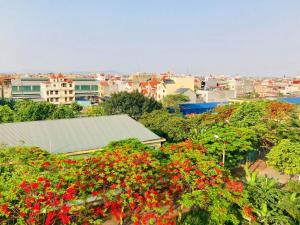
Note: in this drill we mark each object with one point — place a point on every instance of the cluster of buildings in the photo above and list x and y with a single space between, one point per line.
66 89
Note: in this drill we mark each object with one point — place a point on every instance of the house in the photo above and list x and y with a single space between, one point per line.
149 88
5 87
169 86
76 136
58 90
216 95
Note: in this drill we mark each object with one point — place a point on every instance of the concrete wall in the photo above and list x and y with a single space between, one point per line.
217 95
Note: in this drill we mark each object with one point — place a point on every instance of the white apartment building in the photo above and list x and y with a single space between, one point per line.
58 90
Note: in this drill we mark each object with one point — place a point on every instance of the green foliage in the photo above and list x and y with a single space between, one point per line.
27 110
95 110
6 114
285 157
166 125
272 204
63 112
76 107
31 111
134 104
249 114
237 143
173 101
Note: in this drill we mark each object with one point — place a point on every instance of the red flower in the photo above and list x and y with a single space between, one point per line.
36 207
25 186
113 186
46 164
99 212
34 185
5 209
49 218
248 211
234 186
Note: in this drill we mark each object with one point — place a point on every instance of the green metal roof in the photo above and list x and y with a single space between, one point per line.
73 135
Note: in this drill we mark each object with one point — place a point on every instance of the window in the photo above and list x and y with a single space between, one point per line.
70 92
66 99
56 99
70 85
51 92
56 92
71 99
47 92
64 85
51 99
66 92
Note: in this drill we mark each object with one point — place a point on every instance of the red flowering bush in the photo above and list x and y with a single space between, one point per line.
128 181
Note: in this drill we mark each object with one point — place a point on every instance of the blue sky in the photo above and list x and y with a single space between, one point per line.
254 37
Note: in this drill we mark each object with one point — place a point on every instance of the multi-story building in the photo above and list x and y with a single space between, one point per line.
242 86
30 88
5 87
27 88
86 89
58 90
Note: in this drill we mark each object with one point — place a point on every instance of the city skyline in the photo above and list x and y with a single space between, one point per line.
229 37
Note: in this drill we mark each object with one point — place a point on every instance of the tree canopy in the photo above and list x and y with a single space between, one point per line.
172 101
285 157
134 104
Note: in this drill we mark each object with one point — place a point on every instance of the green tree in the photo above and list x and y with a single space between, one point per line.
173 101
235 142
166 125
6 114
31 111
285 157
95 110
63 112
134 104
76 107
271 203
249 114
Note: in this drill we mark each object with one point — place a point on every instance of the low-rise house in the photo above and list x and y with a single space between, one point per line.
76 136
149 88
5 87
216 95
58 90
169 86
242 86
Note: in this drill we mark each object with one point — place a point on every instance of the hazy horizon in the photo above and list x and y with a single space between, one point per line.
258 38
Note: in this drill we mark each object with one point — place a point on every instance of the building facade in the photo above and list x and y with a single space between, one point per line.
58 90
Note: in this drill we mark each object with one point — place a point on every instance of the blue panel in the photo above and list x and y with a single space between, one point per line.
198 108
293 100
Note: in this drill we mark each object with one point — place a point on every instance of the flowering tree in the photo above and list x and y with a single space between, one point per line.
128 182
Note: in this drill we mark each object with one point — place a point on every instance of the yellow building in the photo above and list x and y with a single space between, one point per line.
169 86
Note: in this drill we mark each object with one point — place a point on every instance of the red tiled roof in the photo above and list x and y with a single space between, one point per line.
103 83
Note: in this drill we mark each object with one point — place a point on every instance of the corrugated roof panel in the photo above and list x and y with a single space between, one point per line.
71 135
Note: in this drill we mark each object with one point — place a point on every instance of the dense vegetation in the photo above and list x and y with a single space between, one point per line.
134 104
187 182
128 180
238 131
26 110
